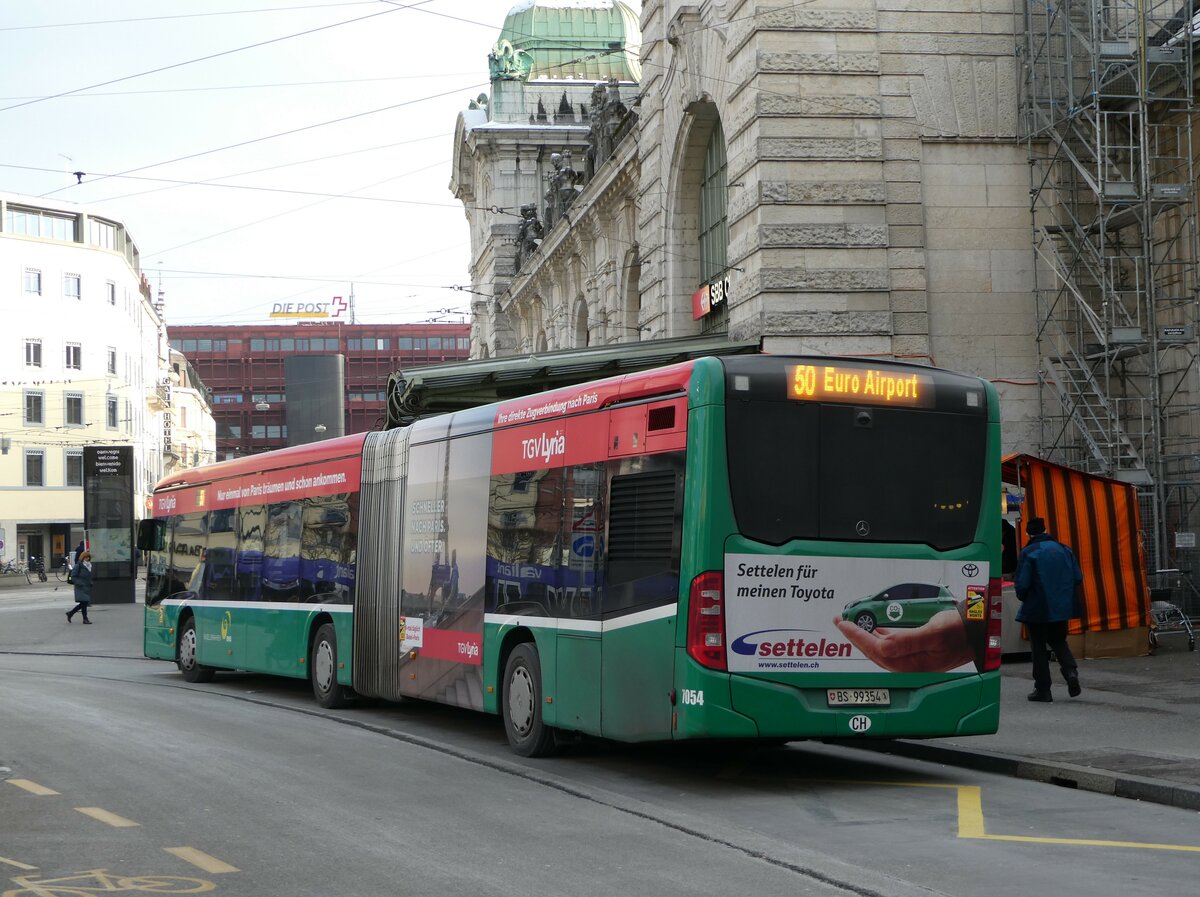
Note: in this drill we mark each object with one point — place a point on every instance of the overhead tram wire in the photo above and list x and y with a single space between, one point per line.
287 133
186 62
267 86
415 7
395 7
174 183
193 15
355 278
287 212
282 165
340 120
240 174
184 274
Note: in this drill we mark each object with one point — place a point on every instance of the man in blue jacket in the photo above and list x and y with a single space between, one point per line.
1046 581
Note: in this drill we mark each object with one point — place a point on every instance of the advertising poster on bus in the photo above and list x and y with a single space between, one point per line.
788 613
441 601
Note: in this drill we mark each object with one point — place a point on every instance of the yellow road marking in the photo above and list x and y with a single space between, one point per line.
971 825
104 816
32 787
201 860
16 864
970 812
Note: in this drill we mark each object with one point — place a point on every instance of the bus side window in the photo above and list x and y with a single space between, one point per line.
524 542
220 556
281 551
323 547
187 550
252 524
583 554
158 580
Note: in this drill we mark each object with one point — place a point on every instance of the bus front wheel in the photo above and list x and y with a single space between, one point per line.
323 666
521 704
185 655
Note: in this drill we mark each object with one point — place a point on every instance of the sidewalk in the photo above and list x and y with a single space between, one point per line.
1134 732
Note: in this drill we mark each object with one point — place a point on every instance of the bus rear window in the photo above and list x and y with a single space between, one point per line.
848 473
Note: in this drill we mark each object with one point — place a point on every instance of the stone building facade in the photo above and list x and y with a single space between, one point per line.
84 364
830 177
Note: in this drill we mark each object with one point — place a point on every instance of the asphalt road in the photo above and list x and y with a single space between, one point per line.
244 786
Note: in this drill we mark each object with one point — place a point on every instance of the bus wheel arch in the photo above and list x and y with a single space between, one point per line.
323 664
186 648
521 697
516 636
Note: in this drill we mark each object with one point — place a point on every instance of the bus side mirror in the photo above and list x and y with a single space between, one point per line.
152 535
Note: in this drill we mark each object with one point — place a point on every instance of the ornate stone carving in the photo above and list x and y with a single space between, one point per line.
565 184
529 237
507 63
610 120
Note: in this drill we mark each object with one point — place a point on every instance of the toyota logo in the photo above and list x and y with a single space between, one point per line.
970 570
862 528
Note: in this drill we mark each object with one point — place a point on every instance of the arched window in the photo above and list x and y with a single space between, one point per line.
581 324
631 330
714 224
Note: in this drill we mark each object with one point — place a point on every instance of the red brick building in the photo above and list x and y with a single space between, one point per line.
243 367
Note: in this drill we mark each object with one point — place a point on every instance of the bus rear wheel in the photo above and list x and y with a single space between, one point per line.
185 655
323 667
521 704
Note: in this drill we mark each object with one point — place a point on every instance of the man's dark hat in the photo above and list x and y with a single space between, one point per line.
1035 526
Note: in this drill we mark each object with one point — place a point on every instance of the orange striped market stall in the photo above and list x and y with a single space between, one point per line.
1098 517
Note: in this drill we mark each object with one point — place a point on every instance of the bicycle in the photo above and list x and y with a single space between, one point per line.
63 571
36 571
98 881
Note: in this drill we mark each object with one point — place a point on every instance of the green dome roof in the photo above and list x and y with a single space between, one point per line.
568 40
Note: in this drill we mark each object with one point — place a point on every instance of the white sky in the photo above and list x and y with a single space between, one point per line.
225 254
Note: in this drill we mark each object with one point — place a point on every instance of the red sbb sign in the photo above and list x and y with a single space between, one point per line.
709 297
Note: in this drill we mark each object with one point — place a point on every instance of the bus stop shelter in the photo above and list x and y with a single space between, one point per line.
1099 519
440 389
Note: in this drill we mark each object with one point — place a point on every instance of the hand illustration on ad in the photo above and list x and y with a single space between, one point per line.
939 645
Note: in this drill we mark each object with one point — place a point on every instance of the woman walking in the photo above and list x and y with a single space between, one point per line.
81 576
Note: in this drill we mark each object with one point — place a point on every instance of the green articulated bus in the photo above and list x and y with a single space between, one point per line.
745 547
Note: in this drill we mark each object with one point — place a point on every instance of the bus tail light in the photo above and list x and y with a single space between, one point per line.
995 620
706 620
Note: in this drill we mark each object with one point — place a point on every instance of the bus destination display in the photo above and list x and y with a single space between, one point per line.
860 386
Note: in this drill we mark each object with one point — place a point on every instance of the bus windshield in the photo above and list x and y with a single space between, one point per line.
862 473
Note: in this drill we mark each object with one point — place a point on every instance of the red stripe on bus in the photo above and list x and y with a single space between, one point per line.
319 478
452 644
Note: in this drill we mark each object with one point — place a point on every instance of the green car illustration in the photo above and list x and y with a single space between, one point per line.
906 604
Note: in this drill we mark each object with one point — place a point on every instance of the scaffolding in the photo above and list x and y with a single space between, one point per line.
1108 108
